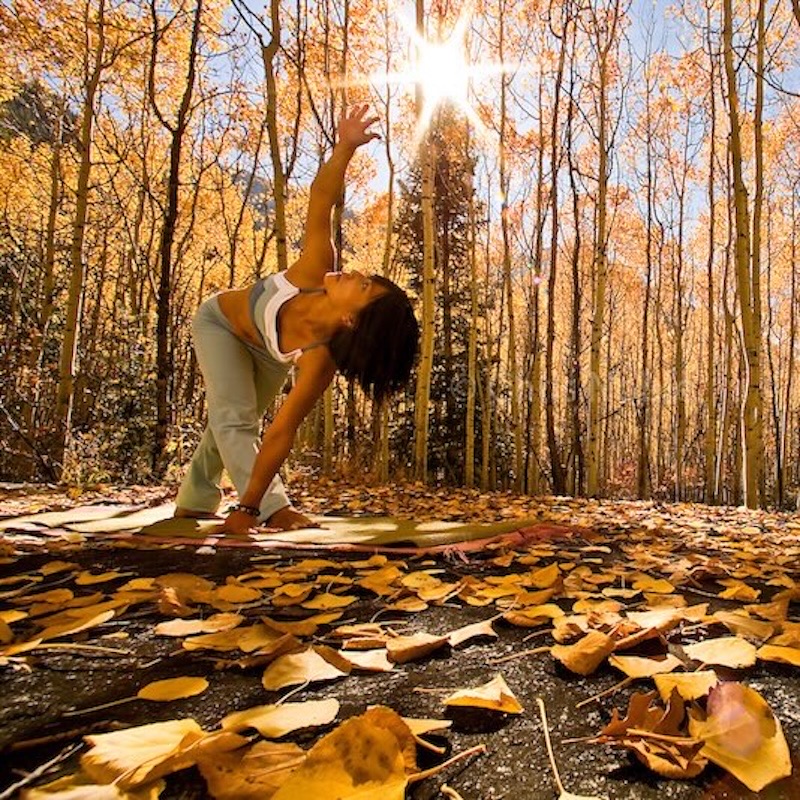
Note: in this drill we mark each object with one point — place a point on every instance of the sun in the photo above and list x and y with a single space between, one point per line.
444 73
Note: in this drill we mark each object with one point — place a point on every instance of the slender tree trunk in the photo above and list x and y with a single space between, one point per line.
269 52
710 398
472 348
749 295
164 355
556 458
69 349
425 367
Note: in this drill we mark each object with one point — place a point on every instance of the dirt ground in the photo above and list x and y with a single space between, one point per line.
40 687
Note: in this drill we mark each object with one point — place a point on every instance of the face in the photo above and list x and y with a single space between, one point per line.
352 291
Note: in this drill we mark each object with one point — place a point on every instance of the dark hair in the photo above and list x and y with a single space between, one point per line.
378 352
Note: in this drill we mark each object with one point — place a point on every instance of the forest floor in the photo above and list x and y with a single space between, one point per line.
89 618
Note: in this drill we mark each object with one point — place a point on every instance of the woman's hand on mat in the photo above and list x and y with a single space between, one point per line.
353 127
238 523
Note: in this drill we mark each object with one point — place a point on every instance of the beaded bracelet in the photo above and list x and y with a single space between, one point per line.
251 511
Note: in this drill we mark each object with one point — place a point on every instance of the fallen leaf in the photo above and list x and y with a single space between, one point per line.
494 695
135 755
273 721
641 667
365 757
782 655
173 689
728 651
742 735
296 668
586 655
80 787
402 649
689 685
461 635
250 773
189 627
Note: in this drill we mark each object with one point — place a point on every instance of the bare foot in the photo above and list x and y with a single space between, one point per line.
188 513
289 519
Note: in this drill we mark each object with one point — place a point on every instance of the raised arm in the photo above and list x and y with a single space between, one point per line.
317 256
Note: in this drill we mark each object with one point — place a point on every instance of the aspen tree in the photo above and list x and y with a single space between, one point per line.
425 368
94 64
747 284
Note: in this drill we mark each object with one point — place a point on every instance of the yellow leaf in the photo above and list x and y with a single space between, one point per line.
402 649
368 660
641 667
81 624
742 624
274 721
783 655
326 600
173 689
728 651
80 787
461 635
494 695
253 773
586 655
690 685
234 593
742 735
533 616
645 583
87 578
543 578
295 668
188 627
134 755
365 758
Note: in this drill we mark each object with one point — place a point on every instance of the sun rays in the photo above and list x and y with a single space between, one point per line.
442 68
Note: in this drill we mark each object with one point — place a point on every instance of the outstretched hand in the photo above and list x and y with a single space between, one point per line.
353 127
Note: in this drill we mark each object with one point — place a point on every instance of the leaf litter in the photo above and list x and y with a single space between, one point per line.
619 592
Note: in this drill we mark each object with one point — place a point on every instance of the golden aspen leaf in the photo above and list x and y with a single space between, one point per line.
6 634
368 660
742 735
689 685
250 773
738 590
91 620
743 625
439 593
135 755
87 578
592 605
662 619
80 787
273 721
586 655
727 651
775 611
9 616
419 727
54 596
641 667
173 689
420 580
189 627
411 605
461 635
248 639
364 758
543 578
324 601
235 593
402 649
645 583
295 668
54 567
782 655
494 695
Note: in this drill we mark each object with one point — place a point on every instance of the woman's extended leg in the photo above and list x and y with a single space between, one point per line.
238 387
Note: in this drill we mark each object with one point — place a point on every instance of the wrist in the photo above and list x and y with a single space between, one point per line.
251 511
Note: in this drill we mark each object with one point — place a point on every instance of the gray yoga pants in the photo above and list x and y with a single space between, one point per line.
240 381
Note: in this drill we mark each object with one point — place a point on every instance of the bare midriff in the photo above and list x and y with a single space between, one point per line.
235 305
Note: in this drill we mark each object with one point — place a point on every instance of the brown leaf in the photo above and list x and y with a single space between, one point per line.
402 649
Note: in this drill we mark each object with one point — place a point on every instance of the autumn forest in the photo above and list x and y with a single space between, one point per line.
594 206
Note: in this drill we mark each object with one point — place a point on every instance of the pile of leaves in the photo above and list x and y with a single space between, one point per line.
622 597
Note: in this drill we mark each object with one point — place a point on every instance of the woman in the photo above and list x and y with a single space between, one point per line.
319 321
